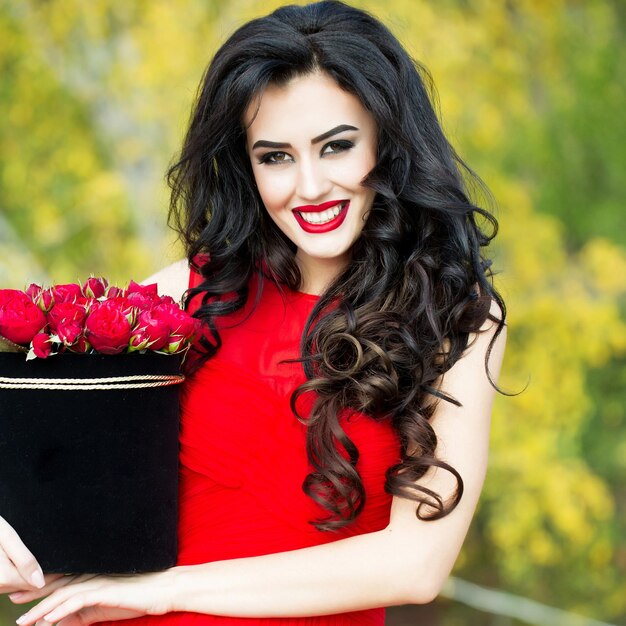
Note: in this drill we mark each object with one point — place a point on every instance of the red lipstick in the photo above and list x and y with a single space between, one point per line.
318 208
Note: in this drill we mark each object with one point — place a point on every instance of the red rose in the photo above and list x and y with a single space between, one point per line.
150 332
179 322
66 313
66 293
107 328
81 345
140 301
138 340
20 318
44 300
122 304
33 290
69 332
115 292
95 287
166 300
8 294
178 342
150 291
42 345
144 297
84 301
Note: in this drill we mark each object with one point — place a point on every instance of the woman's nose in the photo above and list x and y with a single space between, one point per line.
313 182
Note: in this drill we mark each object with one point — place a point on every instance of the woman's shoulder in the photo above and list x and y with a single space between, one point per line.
172 280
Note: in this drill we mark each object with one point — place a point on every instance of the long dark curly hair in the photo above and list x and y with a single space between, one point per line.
417 285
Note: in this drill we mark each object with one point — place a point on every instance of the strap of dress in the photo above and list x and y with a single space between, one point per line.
194 278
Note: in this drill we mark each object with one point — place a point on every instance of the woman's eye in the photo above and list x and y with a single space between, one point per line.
274 158
335 147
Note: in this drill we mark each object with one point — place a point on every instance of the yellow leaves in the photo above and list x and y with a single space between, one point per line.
48 227
531 243
165 49
575 501
556 506
488 126
80 161
104 197
542 548
546 506
564 327
606 264
15 172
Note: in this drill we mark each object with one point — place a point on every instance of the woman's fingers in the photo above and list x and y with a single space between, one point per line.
62 602
53 582
95 614
10 579
20 556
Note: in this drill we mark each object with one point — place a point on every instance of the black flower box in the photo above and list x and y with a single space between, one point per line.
89 459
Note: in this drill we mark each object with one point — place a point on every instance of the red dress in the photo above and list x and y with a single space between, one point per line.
243 456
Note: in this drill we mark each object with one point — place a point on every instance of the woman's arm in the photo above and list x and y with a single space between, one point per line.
407 562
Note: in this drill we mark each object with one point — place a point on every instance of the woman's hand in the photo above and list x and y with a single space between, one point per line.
89 598
19 570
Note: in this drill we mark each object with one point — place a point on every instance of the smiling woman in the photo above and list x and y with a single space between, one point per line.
310 177
335 422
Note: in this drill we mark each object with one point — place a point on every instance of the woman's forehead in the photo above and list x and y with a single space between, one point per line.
307 105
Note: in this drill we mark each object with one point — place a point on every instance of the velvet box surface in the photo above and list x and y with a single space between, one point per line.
89 478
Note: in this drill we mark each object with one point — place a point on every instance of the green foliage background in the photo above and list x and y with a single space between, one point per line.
94 98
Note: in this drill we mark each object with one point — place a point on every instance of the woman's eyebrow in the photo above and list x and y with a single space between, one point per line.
262 143
333 131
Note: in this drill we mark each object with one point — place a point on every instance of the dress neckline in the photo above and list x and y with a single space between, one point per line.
307 296
292 295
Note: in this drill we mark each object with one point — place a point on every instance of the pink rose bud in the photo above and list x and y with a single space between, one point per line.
83 301
66 313
107 328
45 300
69 332
33 290
89 304
66 293
155 330
95 287
138 340
81 345
115 292
20 318
131 315
176 343
42 345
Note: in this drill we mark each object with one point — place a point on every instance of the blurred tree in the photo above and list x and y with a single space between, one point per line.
94 94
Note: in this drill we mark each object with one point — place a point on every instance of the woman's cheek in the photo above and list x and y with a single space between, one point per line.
274 192
349 173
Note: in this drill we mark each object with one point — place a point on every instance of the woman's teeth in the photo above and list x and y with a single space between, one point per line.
324 216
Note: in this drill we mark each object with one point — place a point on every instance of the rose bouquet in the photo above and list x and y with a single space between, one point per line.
89 417
94 317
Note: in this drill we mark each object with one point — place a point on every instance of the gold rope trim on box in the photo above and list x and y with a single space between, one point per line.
86 384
